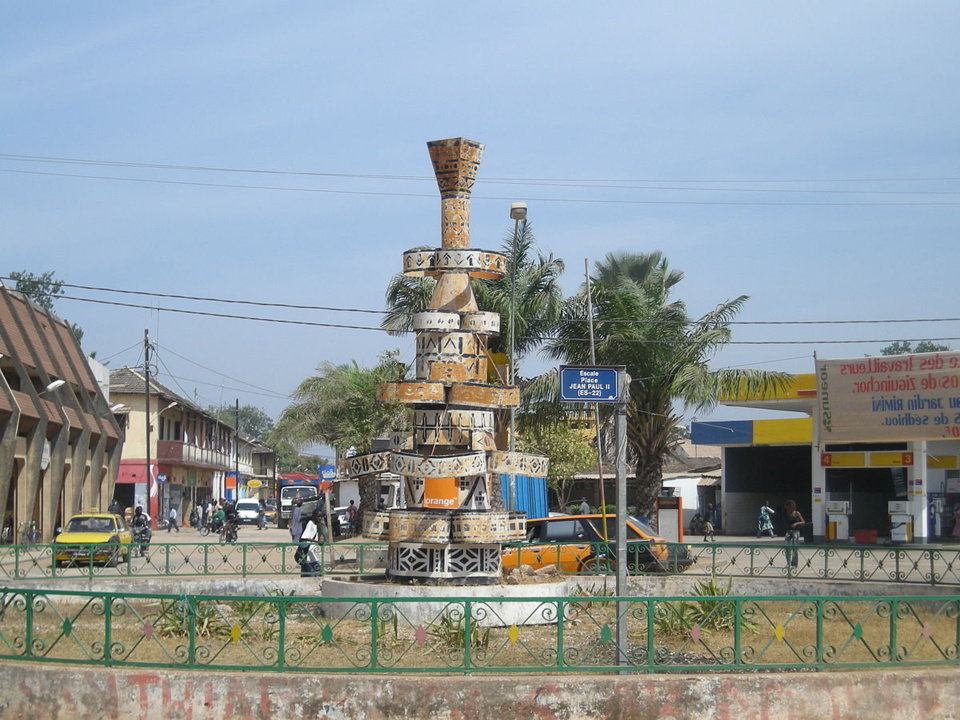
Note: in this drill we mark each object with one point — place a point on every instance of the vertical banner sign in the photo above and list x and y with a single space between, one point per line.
890 398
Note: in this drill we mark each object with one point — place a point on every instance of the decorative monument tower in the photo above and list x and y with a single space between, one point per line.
448 530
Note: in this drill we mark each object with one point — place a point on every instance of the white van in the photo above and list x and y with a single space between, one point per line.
248 511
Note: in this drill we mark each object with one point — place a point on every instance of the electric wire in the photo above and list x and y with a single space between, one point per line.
576 182
373 193
340 326
293 306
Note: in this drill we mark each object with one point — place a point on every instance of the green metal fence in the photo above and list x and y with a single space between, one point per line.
456 635
198 559
934 566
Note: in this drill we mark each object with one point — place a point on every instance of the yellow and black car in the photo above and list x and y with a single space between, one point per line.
93 536
585 544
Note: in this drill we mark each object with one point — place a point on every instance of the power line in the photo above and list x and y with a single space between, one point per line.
293 306
242 382
219 315
238 186
588 182
308 323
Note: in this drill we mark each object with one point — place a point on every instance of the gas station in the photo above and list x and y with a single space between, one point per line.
870 451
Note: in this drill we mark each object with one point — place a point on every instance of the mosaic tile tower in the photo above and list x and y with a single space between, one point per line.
448 531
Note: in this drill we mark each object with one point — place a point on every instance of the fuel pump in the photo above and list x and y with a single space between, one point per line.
838 520
901 521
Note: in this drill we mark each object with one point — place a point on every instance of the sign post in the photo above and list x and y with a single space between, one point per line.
599 384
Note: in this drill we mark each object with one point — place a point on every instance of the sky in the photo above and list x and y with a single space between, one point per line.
803 154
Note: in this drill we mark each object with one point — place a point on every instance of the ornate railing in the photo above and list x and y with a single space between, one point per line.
455 635
933 566
185 560
850 563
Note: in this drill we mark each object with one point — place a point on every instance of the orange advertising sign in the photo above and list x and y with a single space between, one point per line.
441 493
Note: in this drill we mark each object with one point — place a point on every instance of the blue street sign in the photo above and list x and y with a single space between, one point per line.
589 384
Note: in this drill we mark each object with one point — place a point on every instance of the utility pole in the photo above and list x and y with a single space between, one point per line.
146 398
236 448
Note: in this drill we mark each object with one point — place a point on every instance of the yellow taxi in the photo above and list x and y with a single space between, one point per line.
577 544
93 536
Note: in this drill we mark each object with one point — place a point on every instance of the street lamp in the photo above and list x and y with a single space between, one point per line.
518 212
54 385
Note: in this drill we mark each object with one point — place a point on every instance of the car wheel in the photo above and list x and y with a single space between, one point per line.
598 566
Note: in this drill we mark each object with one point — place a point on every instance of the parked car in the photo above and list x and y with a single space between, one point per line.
248 511
93 536
575 544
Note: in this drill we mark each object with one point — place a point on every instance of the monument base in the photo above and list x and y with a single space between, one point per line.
452 563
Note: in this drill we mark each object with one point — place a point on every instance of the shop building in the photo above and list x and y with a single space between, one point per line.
868 454
193 456
60 438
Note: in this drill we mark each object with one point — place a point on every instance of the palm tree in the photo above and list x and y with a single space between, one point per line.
338 407
539 298
666 355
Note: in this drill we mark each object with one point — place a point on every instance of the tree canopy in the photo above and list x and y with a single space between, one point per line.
666 353
904 347
338 406
43 290
253 420
539 297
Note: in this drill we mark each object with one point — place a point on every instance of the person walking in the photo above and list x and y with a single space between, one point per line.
172 520
795 523
584 507
352 517
764 521
296 523
310 539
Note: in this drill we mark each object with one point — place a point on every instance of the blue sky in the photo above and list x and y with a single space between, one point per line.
804 154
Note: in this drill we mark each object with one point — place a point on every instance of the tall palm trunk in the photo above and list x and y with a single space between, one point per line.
369 487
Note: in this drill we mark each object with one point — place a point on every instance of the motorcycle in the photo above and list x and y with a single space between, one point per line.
141 540
228 533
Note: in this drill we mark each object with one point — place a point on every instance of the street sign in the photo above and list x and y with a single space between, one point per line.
580 383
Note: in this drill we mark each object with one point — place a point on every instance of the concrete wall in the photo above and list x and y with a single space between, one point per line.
50 693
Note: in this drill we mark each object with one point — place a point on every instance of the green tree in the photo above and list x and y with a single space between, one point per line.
290 459
539 298
338 407
42 290
666 354
903 347
253 420
569 450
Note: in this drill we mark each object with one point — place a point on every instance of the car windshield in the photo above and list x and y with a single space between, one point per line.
248 505
293 491
89 525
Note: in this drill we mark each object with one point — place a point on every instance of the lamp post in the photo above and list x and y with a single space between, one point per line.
518 212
